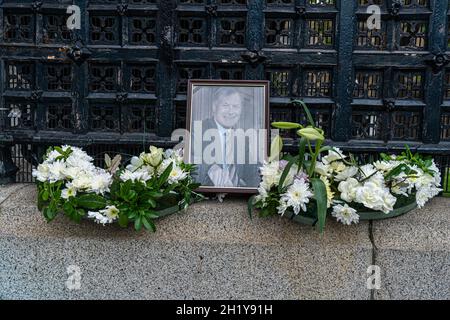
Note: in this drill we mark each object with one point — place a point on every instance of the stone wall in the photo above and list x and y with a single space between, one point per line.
214 251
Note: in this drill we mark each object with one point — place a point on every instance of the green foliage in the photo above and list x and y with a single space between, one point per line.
138 203
320 194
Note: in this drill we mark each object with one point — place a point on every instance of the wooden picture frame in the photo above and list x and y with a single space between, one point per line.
222 113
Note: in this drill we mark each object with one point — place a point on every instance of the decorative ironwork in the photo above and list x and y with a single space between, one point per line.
189 72
142 30
317 83
230 73
104 29
142 78
231 31
280 80
141 118
20 115
320 33
409 85
55 29
58 77
125 73
370 39
368 84
192 31
103 78
413 35
279 32
105 117
18 27
59 117
20 75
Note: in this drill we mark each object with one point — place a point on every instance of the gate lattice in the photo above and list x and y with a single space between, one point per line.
121 79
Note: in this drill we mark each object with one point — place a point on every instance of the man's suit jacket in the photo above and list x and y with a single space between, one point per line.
248 174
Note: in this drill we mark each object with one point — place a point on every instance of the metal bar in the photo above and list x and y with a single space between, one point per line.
343 111
434 80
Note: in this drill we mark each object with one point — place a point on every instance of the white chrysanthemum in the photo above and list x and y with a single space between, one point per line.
82 181
139 175
262 194
99 218
348 172
345 214
386 166
348 189
68 192
297 196
424 194
100 182
80 154
110 212
56 171
271 173
176 175
333 155
42 172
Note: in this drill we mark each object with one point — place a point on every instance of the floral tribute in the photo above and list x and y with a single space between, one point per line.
322 180
151 186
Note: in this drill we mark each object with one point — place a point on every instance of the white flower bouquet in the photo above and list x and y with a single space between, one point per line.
154 184
322 180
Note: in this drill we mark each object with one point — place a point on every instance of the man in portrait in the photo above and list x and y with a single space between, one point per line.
220 166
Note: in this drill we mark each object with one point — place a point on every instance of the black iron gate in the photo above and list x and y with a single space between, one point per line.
120 81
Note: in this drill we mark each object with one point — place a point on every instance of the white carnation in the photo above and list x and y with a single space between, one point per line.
348 189
345 214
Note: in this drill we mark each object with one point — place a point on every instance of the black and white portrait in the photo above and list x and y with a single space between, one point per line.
227 122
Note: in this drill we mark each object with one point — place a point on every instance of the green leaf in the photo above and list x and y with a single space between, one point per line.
397 170
45 195
152 203
286 125
68 208
91 202
320 193
138 223
285 174
165 175
301 152
148 224
49 213
123 220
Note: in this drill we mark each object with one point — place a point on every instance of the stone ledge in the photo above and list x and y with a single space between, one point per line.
214 251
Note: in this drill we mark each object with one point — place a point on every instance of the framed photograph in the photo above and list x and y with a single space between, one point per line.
228 125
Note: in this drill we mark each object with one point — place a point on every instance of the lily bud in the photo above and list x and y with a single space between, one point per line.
311 134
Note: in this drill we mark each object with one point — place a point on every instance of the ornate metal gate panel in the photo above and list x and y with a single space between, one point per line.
120 81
